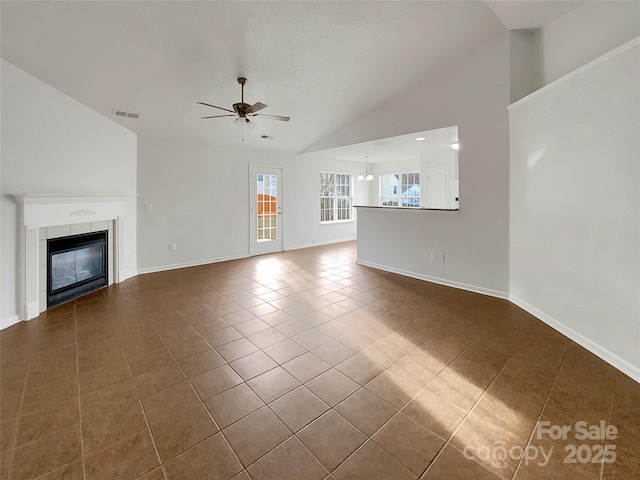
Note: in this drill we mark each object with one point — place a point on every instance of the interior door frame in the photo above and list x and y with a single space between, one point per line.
256 248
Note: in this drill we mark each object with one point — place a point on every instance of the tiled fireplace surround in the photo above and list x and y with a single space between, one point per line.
60 231
45 217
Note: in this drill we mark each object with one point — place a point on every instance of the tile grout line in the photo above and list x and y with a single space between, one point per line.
23 394
362 277
201 403
144 413
45 351
448 441
544 404
177 309
82 448
267 404
370 437
116 442
613 383
293 434
302 384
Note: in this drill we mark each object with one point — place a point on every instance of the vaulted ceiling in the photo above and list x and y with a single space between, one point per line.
322 63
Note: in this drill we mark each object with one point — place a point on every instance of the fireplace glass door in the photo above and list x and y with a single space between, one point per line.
76 265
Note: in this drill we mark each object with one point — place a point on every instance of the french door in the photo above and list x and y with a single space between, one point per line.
265 209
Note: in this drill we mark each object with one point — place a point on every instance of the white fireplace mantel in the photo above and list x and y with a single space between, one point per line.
38 211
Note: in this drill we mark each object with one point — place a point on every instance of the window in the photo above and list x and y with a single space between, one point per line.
335 197
400 189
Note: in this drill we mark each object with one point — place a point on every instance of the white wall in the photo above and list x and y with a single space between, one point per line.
526 74
471 92
582 35
575 207
200 201
53 144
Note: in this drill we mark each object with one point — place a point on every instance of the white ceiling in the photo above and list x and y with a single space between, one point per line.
322 63
530 14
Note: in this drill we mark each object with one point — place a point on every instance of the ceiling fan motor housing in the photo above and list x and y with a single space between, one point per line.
242 109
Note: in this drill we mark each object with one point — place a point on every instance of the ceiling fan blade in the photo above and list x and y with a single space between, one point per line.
275 117
221 108
217 116
256 107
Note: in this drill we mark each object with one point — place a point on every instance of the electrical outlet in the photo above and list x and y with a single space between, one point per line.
437 257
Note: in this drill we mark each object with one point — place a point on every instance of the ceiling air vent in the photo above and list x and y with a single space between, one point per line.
267 137
122 113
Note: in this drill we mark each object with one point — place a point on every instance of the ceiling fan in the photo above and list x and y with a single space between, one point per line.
244 110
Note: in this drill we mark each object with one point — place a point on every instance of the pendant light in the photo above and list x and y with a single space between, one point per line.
369 176
361 176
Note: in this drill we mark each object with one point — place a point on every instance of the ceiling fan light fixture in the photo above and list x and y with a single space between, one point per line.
241 128
361 177
369 177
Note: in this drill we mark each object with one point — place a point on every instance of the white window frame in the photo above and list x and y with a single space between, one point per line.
334 195
398 195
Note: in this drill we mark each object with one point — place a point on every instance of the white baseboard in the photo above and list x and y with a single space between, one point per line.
7 322
164 268
126 274
174 266
318 244
609 357
438 280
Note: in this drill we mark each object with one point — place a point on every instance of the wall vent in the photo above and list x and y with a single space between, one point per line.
122 113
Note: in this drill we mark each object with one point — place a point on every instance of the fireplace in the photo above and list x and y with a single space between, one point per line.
76 265
46 217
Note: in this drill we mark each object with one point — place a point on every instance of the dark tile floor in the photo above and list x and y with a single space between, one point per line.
303 366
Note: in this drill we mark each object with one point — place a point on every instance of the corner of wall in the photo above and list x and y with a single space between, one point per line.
625 367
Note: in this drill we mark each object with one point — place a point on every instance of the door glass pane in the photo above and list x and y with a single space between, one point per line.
267 207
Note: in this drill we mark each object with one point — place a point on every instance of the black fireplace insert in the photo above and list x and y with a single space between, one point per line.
76 265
